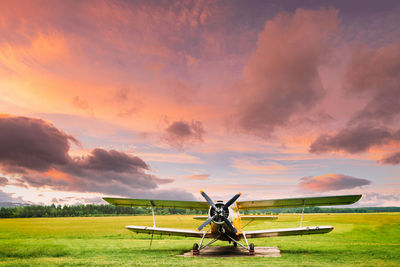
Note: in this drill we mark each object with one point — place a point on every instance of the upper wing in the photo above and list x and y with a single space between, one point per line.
167 231
156 203
289 231
297 202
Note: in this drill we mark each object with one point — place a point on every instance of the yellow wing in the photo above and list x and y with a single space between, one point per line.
156 203
297 202
169 231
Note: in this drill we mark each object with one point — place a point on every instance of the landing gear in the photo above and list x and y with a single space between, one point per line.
196 249
251 249
235 244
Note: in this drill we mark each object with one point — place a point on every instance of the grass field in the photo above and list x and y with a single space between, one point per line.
358 239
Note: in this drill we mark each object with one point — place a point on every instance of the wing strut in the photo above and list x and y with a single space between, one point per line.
152 212
202 239
154 222
302 213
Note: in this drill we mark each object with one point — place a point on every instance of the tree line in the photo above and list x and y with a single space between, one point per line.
84 210
111 210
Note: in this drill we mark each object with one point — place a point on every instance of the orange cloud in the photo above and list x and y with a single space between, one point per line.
198 177
58 175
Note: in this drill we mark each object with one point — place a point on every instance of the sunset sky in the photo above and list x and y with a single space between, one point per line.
161 99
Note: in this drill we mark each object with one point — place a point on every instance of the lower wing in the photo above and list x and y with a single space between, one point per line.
168 231
289 231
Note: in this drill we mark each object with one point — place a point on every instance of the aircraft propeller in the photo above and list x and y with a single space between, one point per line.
219 211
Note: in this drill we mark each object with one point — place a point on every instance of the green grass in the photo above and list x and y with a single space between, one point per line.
358 239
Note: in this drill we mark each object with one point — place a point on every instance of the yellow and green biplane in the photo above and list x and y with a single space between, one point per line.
225 220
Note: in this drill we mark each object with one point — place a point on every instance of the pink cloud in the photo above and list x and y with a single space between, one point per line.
331 182
375 74
181 133
282 77
357 139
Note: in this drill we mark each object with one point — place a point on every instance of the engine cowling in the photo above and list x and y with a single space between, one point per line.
220 213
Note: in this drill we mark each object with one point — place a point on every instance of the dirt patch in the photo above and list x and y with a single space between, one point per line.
230 251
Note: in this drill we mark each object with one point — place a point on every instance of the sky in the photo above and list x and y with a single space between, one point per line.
162 99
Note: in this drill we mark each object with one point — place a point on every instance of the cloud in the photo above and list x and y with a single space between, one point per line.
282 78
356 139
77 200
376 75
37 153
6 197
374 199
198 177
392 159
180 133
83 104
3 181
373 75
102 160
331 182
121 95
32 143
258 167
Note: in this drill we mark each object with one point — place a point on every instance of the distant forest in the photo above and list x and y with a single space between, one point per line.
110 210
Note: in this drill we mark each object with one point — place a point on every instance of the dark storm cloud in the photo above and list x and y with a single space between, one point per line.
38 153
282 77
32 143
331 182
102 160
180 133
353 139
392 159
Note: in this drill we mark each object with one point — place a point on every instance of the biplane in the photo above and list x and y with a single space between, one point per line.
225 220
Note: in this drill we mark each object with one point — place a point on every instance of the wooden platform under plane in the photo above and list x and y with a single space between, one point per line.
229 251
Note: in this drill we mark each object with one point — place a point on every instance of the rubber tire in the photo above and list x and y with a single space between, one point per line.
251 251
235 244
195 246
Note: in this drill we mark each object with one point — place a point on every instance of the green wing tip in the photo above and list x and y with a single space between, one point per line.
357 198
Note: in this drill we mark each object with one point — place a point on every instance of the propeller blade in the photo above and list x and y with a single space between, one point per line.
208 199
230 202
230 225
204 224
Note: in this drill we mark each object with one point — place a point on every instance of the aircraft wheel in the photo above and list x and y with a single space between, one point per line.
196 249
235 244
251 251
